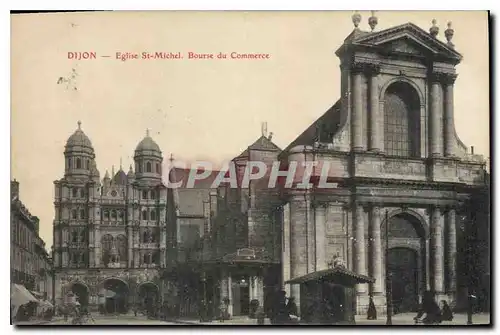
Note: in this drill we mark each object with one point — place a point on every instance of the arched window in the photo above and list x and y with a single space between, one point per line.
153 214
78 163
148 167
74 236
401 121
120 215
139 167
113 215
83 236
158 170
144 194
69 163
82 193
75 192
82 213
144 214
153 194
87 164
106 215
74 214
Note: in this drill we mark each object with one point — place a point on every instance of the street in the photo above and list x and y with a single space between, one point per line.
399 319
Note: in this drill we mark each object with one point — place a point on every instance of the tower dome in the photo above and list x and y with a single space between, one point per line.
79 139
79 155
148 159
147 144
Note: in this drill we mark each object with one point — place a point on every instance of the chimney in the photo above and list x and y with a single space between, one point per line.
472 150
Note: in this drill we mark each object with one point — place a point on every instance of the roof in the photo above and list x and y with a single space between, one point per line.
325 126
182 175
407 31
337 275
263 143
147 144
79 139
120 178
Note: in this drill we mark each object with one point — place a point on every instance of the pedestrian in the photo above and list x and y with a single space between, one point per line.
446 313
430 308
372 311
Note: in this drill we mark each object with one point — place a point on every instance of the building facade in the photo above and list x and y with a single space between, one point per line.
110 235
391 147
31 265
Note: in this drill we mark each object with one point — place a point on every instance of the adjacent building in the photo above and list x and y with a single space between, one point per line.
31 265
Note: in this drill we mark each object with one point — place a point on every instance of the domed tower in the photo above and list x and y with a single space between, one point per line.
148 159
79 155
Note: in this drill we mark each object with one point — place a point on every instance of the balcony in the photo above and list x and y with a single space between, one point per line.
149 245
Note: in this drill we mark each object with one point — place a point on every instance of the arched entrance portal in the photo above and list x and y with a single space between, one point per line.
81 293
406 261
149 295
115 294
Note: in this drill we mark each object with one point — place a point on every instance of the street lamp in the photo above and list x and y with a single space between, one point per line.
388 295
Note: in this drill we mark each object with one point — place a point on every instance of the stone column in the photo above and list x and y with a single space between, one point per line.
321 258
130 247
311 237
451 255
97 246
437 251
359 246
286 248
449 125
376 252
375 135
357 107
435 117
298 242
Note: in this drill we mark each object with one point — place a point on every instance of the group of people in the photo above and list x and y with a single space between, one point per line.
433 313
283 310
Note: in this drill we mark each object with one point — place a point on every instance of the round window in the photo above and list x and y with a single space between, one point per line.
113 193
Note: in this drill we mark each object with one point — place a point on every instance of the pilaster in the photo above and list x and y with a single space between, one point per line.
357 108
435 117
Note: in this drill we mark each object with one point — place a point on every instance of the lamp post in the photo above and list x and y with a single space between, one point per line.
388 295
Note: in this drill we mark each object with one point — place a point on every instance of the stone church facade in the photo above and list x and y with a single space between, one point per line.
109 234
393 151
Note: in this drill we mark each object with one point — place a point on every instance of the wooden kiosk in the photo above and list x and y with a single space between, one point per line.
327 296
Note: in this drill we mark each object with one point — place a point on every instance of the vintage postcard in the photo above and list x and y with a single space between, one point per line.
250 168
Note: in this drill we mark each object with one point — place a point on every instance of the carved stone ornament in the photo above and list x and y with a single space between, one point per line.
443 78
365 67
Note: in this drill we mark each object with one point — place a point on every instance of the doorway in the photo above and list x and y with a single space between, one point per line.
116 294
403 269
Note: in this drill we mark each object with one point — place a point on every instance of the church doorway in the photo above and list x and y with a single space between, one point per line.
115 294
81 293
404 279
405 261
149 295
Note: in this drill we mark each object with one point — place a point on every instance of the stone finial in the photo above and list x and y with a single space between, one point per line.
106 175
356 19
147 132
79 125
270 137
434 30
171 157
373 21
130 169
448 33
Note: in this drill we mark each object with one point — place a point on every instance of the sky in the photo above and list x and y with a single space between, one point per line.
197 109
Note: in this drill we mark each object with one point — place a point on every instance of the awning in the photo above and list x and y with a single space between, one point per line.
337 275
19 295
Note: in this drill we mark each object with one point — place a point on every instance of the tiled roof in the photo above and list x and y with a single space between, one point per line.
337 275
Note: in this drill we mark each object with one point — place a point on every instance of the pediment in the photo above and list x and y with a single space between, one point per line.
410 39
